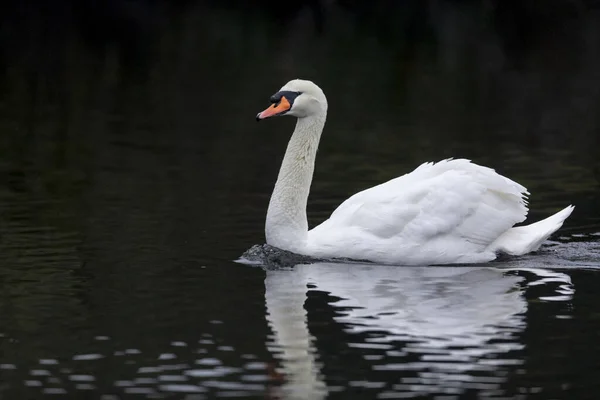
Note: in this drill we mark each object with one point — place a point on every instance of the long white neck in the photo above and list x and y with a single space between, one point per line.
286 225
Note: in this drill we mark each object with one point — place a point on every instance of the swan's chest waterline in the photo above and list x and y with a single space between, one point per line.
286 224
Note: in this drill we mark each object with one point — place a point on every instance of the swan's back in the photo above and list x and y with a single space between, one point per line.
450 211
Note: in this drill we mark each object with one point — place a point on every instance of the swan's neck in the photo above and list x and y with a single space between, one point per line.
286 226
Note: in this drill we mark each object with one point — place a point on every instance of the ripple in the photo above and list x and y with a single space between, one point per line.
82 378
39 372
145 381
54 391
48 361
254 366
255 378
232 385
208 362
367 384
373 346
182 388
149 370
452 330
109 397
173 367
211 373
172 378
140 390
463 324
87 357
85 386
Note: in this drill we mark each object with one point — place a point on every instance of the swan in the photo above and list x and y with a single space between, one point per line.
449 212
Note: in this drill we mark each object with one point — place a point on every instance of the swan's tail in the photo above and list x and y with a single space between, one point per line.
524 239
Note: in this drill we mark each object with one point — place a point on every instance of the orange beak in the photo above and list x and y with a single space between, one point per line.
275 109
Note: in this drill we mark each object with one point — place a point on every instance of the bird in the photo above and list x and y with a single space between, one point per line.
448 212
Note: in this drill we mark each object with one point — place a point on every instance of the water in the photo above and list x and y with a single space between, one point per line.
133 180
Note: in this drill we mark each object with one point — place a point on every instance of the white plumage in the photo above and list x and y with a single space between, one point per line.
452 211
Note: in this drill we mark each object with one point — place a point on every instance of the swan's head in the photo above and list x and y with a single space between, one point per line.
298 98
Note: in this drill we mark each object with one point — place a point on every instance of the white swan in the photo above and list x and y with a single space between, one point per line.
448 212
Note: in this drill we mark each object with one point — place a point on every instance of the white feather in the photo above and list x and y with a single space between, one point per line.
446 212
453 211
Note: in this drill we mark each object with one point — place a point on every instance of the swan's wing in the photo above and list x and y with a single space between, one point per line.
451 198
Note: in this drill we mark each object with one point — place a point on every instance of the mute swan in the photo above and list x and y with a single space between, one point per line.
452 211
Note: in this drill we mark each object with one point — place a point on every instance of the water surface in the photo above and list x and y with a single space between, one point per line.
131 181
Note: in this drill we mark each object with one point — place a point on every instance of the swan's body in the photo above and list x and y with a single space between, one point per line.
449 212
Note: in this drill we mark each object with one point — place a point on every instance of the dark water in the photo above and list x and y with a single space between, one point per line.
132 175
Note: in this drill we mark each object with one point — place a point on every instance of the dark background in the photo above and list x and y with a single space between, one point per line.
132 173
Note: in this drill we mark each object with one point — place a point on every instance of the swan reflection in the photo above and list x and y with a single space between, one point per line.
443 329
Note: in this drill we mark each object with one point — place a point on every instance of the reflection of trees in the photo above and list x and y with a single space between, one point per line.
439 81
410 81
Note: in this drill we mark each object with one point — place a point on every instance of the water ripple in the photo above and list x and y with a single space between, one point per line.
443 330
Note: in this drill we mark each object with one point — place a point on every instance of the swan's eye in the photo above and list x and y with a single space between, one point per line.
289 95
